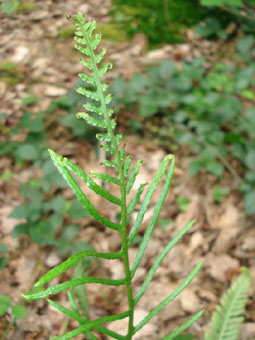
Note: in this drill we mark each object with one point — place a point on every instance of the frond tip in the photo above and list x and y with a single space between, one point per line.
228 316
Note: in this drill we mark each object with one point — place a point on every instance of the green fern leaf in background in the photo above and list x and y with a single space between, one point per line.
228 316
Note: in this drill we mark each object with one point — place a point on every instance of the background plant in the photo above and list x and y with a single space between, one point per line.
101 118
16 311
11 7
228 316
50 220
167 20
3 258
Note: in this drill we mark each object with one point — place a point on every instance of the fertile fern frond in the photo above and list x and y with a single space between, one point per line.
228 315
84 36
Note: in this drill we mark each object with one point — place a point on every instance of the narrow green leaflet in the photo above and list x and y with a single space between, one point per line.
109 332
88 93
184 326
126 165
80 48
57 160
122 153
90 335
70 284
69 263
108 148
76 311
87 79
90 183
159 259
91 28
105 177
135 199
134 172
91 324
148 196
111 164
67 312
95 41
90 120
87 64
103 69
100 56
154 219
104 137
170 298
93 108
119 139
73 303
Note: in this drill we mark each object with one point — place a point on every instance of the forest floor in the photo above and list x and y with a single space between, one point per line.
222 237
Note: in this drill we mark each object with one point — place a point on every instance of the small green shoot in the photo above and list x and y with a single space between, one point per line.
183 203
16 311
219 193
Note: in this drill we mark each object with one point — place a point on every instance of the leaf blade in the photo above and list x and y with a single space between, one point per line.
154 219
67 312
148 197
135 199
90 325
57 160
105 177
184 326
109 332
70 284
133 173
71 261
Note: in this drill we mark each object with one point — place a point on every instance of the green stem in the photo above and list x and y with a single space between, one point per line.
122 188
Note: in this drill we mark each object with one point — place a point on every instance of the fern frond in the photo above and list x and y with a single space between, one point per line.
99 104
228 316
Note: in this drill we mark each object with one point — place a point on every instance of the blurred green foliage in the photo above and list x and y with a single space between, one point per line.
160 20
10 7
166 21
48 220
212 111
11 73
3 258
